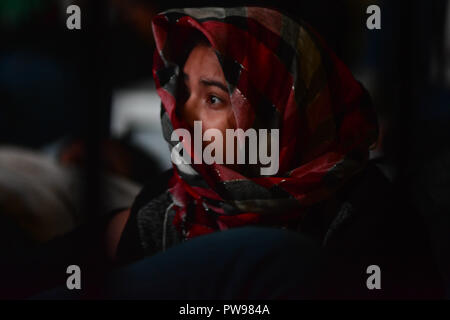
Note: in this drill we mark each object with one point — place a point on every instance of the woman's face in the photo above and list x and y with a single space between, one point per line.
206 95
206 98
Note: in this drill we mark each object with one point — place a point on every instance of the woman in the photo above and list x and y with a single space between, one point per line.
253 68
241 68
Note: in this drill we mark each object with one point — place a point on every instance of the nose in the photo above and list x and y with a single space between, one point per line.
190 110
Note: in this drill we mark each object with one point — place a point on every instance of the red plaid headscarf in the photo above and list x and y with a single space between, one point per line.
281 75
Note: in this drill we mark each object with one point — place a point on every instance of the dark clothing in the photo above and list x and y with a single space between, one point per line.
373 226
143 232
241 263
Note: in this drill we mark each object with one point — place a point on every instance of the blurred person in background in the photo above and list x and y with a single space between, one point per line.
46 140
45 132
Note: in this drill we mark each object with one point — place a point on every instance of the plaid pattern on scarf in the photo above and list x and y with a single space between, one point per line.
280 75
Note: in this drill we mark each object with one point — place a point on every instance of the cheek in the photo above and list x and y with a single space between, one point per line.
220 120
191 112
231 119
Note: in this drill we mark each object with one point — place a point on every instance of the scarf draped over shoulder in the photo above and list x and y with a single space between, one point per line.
280 75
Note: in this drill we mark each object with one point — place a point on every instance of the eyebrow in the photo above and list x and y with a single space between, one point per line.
213 83
209 83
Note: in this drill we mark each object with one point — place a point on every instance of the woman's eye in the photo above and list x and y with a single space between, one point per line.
214 100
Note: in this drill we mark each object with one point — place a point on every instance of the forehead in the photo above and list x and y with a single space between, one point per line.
203 62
